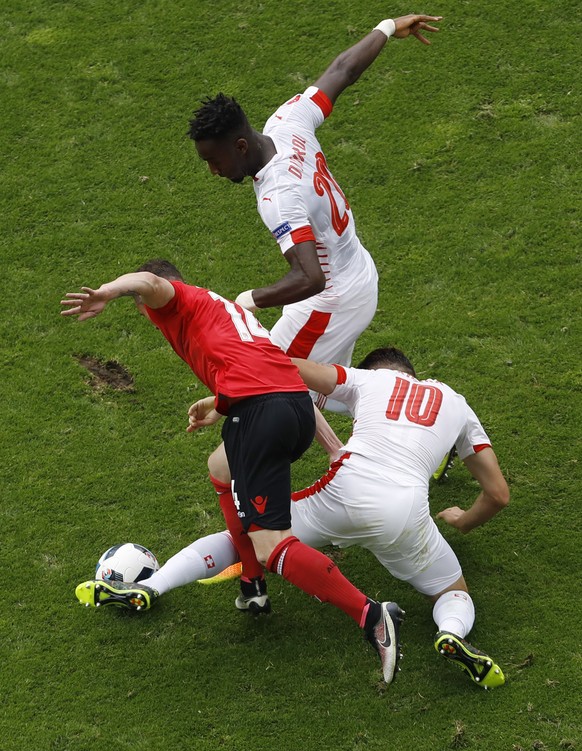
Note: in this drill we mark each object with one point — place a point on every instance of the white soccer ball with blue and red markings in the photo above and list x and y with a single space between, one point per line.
126 562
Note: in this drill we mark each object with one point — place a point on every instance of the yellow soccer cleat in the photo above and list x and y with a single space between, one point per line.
232 572
131 596
447 462
480 667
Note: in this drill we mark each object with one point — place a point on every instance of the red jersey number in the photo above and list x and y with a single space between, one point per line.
323 182
422 401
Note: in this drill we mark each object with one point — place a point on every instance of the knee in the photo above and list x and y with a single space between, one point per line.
268 542
263 550
218 465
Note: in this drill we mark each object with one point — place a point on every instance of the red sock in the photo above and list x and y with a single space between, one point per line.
242 542
318 575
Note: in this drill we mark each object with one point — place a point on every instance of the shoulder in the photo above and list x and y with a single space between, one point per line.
187 295
308 109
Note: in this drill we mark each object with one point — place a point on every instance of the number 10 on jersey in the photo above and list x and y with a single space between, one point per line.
421 402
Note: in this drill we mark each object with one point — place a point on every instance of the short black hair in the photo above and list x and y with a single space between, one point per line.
217 118
160 267
387 356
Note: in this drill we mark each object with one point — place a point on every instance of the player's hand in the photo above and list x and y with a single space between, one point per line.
452 516
413 26
201 414
85 304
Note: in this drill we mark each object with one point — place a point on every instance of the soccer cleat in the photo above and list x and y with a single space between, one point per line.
232 572
445 465
384 638
131 596
253 596
481 668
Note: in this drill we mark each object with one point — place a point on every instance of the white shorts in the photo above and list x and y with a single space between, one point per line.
353 504
326 336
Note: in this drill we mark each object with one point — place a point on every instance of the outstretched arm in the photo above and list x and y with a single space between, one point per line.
493 498
148 288
349 66
318 377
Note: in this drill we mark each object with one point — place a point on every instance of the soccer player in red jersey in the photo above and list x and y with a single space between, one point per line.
269 423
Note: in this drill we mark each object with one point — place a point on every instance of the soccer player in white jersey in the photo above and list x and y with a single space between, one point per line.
330 292
376 495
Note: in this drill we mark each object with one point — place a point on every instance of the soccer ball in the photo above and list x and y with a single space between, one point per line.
126 562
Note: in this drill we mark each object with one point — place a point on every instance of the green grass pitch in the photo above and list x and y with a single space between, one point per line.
462 164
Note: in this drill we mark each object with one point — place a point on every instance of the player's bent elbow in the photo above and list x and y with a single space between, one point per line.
317 286
309 288
500 496
503 499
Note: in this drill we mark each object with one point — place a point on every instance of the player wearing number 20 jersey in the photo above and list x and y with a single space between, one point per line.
299 200
330 292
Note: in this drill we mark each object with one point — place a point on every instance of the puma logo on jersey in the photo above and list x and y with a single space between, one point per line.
266 198
260 503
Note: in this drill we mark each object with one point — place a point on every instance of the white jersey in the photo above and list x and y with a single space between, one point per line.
405 426
299 200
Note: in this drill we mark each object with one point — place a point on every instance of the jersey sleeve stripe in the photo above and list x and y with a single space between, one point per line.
306 337
302 235
481 446
341 374
323 102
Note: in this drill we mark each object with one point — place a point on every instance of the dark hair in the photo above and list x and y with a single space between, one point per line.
387 356
217 118
162 268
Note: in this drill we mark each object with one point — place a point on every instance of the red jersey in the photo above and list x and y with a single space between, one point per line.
225 345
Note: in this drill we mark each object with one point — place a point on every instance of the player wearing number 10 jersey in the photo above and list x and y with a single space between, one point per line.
330 292
376 494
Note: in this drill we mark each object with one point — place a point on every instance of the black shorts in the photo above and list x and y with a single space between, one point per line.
262 436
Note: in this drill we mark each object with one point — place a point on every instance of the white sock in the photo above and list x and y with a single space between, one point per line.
202 559
454 612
